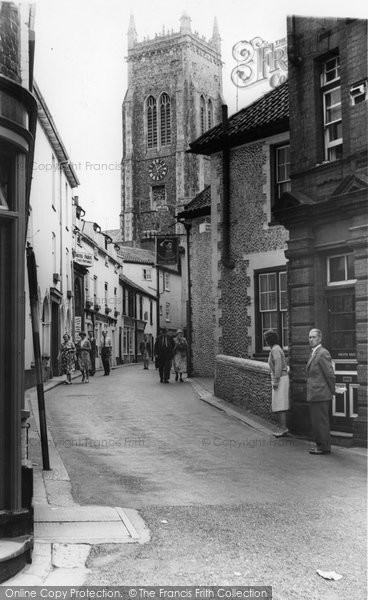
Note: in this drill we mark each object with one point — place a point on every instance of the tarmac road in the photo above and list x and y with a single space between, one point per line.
224 503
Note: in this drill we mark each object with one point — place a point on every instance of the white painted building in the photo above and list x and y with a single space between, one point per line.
97 293
50 234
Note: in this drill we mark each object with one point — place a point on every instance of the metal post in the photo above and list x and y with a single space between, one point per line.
158 301
33 297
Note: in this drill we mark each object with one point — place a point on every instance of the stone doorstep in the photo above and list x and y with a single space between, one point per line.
83 524
12 547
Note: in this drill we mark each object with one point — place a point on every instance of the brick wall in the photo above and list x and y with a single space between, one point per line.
10 41
311 40
245 383
340 225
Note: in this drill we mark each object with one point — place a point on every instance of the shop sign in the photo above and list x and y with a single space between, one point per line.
84 258
167 250
77 324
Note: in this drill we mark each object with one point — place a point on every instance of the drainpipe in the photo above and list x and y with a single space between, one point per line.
188 227
226 258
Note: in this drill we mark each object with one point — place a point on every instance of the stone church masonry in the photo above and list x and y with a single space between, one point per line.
188 68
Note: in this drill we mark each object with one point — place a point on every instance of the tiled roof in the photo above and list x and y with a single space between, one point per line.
200 205
136 255
267 115
134 285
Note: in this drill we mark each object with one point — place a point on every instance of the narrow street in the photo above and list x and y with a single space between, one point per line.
224 503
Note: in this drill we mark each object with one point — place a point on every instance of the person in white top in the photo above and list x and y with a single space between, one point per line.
279 380
106 350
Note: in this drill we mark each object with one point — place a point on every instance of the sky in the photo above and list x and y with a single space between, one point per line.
81 70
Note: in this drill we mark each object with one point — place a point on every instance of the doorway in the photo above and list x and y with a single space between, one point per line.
341 327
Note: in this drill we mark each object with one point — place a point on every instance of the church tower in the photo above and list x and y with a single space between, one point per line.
173 96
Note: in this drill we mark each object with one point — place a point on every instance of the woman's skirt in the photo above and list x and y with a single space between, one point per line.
280 397
84 360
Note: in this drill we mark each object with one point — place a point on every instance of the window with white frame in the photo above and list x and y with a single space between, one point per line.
332 115
340 269
282 170
147 274
271 306
128 336
166 282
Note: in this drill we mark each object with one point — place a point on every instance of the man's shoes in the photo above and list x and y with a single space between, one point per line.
166 381
281 434
319 451
161 380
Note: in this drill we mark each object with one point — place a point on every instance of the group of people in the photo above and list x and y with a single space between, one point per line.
82 355
172 352
321 386
169 352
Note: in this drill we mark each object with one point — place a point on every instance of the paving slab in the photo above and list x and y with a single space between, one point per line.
83 524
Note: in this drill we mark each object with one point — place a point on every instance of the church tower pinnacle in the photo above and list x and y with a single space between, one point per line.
185 21
132 34
216 39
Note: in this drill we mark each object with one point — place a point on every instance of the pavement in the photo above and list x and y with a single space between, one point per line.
64 531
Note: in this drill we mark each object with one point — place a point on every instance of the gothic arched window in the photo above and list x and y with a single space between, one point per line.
202 114
210 114
165 119
151 122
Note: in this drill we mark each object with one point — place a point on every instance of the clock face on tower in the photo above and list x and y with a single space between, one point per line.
157 169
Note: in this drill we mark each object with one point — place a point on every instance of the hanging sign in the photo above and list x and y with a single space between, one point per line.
84 258
167 250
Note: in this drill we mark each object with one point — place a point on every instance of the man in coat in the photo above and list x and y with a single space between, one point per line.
164 349
320 389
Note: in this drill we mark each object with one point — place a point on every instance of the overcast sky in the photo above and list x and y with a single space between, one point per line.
81 70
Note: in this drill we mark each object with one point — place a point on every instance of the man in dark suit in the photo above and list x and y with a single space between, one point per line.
320 389
164 348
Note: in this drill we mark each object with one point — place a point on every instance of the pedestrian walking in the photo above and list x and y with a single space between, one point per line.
106 351
84 356
145 350
279 380
320 389
94 352
164 348
180 355
67 358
